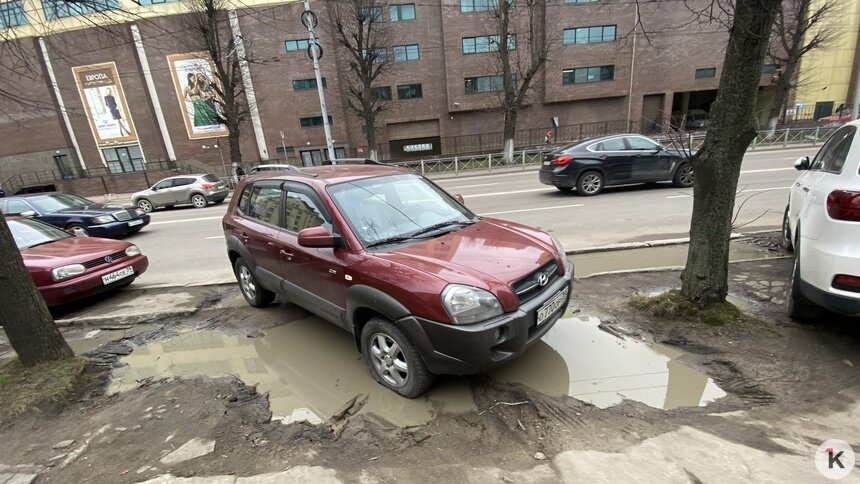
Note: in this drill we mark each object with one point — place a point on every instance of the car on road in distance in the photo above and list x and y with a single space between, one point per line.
822 226
424 285
66 268
196 190
83 216
591 165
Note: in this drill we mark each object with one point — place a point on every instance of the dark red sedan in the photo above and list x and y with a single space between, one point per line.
66 268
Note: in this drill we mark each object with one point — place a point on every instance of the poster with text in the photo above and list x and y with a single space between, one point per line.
195 90
104 102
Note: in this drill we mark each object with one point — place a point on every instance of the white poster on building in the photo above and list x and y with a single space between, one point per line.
195 90
104 102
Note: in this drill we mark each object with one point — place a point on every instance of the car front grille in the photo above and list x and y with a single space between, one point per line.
530 286
104 260
124 215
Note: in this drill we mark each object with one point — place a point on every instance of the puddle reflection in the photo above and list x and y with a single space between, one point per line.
311 368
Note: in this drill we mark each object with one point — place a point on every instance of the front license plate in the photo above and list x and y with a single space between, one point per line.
550 307
135 222
117 275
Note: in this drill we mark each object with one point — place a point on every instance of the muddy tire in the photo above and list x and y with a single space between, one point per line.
683 176
786 232
393 360
145 205
799 307
590 183
254 294
199 201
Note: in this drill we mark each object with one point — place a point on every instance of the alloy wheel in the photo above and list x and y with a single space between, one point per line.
198 201
591 183
686 176
246 281
389 360
145 205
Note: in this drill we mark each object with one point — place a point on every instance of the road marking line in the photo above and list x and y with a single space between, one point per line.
742 191
216 237
689 195
509 193
472 186
767 170
534 209
186 220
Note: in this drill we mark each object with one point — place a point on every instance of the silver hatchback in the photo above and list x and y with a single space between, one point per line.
196 190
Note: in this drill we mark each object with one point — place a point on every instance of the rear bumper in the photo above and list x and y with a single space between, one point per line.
464 350
217 195
821 260
834 302
90 283
117 229
558 179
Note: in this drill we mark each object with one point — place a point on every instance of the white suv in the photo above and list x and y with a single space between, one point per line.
822 225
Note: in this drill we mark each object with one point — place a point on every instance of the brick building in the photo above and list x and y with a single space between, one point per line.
118 95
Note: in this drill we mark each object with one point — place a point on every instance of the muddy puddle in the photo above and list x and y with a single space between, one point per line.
648 257
310 368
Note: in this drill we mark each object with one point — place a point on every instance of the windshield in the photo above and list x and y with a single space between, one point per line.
29 233
396 207
59 201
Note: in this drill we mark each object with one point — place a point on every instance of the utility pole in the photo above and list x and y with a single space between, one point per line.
309 20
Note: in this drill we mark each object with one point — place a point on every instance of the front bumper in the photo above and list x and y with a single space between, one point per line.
90 283
117 229
463 350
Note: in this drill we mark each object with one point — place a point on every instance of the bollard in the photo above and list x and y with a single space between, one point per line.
422 167
490 163
456 166
524 159
785 139
815 139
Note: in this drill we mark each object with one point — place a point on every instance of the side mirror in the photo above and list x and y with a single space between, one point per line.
659 149
318 237
459 198
802 164
28 213
71 232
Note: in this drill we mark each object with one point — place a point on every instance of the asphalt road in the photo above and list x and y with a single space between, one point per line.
186 245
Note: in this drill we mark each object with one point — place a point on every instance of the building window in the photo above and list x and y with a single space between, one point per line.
582 75
405 11
705 73
409 91
12 14
486 43
294 45
371 14
313 121
307 84
126 159
467 6
156 2
769 68
381 93
484 84
406 53
581 1
56 9
589 35
380 56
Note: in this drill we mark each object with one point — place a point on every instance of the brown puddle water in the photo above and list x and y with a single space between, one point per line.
310 368
664 256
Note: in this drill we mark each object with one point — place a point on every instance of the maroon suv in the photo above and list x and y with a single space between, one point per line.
424 285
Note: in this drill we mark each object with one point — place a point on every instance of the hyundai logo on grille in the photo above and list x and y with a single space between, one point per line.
109 259
543 279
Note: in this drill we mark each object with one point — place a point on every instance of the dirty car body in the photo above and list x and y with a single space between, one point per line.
424 285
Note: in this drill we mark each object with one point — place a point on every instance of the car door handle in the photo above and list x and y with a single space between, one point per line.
244 236
285 253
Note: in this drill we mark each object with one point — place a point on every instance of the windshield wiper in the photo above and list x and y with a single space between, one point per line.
442 225
391 240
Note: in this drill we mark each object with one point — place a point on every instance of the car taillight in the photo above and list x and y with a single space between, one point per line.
844 205
845 282
561 160
208 186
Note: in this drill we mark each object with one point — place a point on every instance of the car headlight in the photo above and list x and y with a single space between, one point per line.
104 219
66 272
132 251
467 305
558 246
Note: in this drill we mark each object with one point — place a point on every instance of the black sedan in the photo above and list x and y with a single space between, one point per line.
593 164
84 216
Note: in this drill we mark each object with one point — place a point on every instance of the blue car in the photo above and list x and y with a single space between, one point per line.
83 216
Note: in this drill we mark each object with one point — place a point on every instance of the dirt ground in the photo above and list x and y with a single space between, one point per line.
780 377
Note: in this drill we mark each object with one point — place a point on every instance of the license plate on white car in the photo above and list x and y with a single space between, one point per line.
135 222
550 307
117 275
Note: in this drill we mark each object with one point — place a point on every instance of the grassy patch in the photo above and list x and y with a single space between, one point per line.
672 305
55 382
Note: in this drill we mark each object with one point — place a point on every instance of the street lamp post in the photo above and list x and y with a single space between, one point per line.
220 155
309 19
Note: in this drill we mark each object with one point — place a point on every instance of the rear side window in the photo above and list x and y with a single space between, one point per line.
616 144
242 207
265 205
181 182
637 143
833 155
15 207
210 178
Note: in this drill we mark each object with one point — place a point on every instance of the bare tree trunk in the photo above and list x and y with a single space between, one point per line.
509 134
23 313
235 149
780 97
717 165
371 139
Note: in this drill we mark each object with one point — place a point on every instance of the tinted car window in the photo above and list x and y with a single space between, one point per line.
181 182
163 184
616 144
58 201
837 151
243 202
637 143
30 233
302 212
15 207
265 205
210 178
